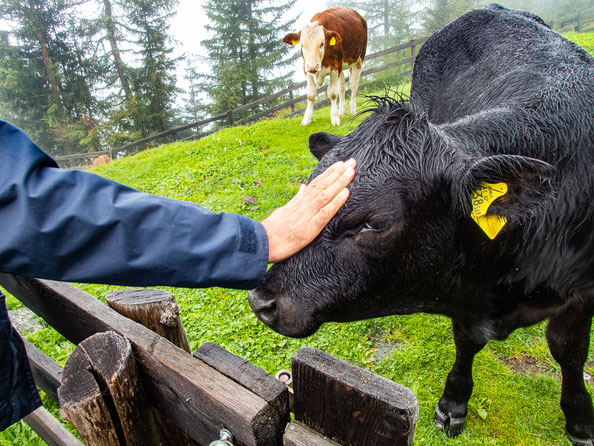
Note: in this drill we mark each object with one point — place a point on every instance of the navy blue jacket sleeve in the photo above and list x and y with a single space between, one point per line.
75 226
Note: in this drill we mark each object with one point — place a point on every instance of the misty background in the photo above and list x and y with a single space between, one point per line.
86 75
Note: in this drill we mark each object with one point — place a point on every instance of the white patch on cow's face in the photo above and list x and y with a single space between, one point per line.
312 42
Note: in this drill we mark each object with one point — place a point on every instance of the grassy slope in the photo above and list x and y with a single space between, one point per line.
507 407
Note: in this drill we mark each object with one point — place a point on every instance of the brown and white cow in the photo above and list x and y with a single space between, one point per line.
335 40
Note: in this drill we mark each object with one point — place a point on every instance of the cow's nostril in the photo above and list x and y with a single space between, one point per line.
263 307
267 314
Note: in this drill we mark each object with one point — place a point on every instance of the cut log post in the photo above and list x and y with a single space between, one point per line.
102 396
157 310
352 406
252 378
298 434
50 429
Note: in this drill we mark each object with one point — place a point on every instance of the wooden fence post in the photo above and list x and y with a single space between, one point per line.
157 310
102 396
352 406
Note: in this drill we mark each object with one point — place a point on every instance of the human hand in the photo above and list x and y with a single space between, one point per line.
295 225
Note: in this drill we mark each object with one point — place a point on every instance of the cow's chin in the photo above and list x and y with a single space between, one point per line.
280 315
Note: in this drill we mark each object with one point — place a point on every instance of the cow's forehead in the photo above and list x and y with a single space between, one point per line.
312 34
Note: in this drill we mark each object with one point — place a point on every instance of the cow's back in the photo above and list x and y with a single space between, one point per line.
494 57
510 81
352 29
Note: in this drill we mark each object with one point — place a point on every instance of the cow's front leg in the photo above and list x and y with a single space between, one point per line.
341 94
568 335
312 92
333 95
354 81
450 412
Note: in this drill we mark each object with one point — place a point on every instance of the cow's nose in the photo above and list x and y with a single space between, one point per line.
263 306
313 69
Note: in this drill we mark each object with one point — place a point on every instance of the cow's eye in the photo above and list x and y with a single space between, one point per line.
374 226
322 45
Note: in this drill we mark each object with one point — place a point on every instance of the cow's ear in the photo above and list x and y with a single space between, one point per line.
332 37
320 143
292 38
503 189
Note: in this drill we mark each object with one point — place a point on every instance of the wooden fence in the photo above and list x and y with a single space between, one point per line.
126 384
256 109
582 21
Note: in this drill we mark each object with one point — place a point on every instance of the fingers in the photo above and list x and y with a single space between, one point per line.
330 176
326 213
332 189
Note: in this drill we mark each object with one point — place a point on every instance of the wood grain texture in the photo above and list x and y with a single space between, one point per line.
352 406
50 429
156 309
46 372
297 434
101 373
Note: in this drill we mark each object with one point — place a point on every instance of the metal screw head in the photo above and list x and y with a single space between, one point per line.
226 439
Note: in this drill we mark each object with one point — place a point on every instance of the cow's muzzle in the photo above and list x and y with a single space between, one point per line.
278 313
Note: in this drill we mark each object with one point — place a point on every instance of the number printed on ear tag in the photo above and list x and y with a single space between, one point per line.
481 200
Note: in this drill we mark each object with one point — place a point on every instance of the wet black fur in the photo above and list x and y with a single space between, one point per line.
498 97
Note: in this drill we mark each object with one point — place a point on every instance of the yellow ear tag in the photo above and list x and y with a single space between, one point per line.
481 200
295 42
332 41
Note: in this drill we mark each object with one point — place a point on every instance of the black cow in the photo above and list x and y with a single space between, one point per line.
471 200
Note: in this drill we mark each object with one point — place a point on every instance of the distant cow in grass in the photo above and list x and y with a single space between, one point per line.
335 40
100 160
473 200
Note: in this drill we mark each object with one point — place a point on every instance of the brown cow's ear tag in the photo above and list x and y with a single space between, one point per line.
481 200
294 42
332 41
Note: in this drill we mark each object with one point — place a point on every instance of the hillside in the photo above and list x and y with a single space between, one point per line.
516 397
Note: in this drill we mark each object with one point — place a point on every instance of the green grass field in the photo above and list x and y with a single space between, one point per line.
517 383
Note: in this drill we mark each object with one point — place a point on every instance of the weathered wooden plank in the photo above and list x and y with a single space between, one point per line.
157 310
101 372
297 434
197 398
353 406
46 372
253 378
50 429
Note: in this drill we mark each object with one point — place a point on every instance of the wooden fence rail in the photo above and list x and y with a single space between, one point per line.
229 116
194 396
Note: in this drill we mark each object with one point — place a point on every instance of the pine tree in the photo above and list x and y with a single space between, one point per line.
49 89
154 82
245 51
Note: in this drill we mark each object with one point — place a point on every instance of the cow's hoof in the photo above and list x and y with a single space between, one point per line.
335 121
445 422
581 441
306 122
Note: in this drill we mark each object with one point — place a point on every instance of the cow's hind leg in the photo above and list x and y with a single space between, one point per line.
568 335
450 412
